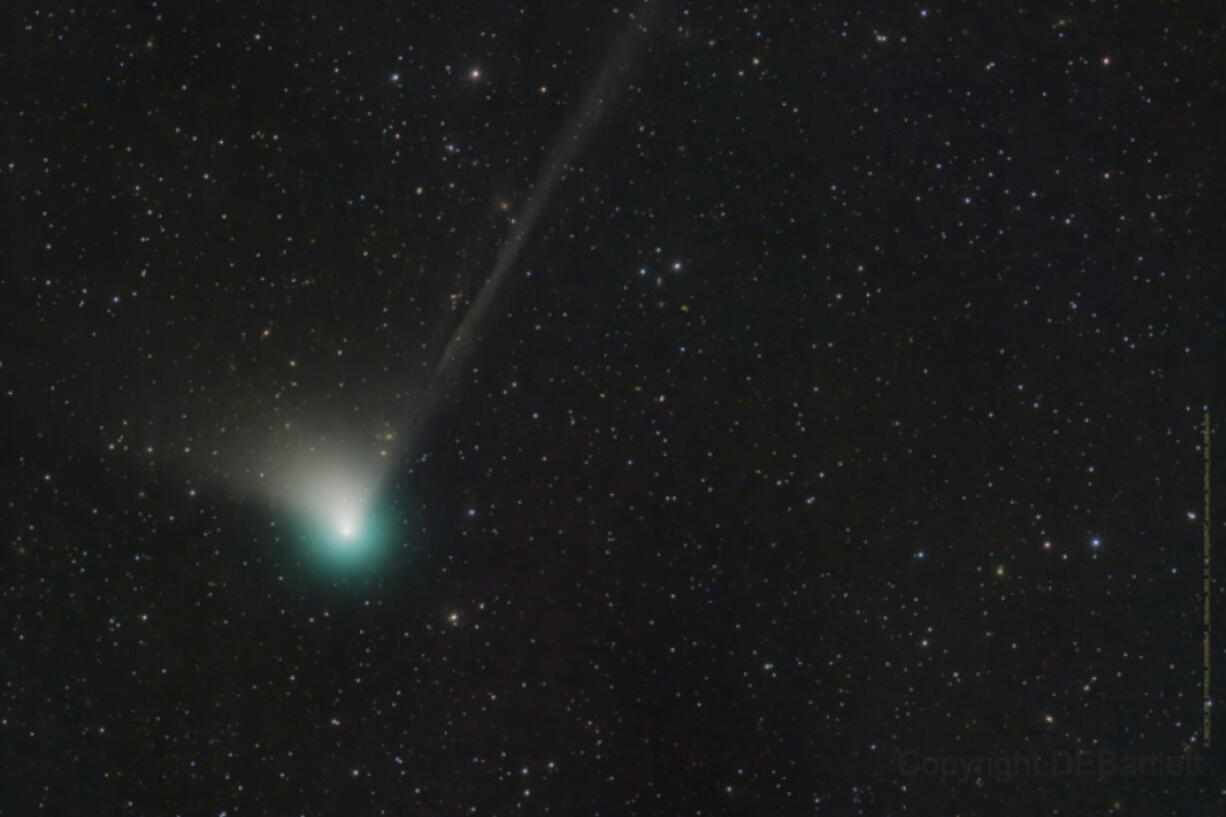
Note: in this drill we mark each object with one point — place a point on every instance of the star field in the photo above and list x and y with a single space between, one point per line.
578 409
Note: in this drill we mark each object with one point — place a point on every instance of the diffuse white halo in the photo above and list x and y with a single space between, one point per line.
333 490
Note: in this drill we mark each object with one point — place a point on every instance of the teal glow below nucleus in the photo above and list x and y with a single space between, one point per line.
349 545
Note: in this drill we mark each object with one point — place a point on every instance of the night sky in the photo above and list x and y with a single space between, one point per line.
567 408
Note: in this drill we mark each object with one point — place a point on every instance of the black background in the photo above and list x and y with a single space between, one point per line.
832 285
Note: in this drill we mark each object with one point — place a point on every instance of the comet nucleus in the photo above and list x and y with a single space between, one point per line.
337 502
